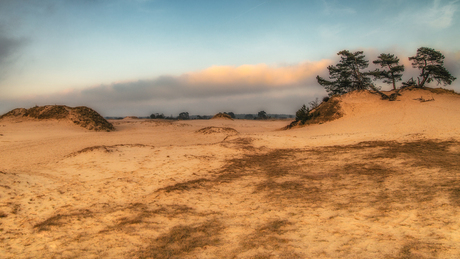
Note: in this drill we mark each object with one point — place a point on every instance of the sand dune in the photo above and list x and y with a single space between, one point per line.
83 116
380 182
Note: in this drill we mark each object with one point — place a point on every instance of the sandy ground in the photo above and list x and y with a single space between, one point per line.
381 182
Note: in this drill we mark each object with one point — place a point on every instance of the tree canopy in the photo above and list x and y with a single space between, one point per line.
392 71
347 75
262 115
431 64
183 116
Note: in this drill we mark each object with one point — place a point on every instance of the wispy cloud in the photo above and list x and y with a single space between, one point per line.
439 15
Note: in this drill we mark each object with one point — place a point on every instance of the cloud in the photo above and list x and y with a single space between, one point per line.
9 48
212 82
223 83
257 75
440 16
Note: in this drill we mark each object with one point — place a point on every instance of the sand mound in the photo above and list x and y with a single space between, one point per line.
222 116
212 130
130 118
82 116
414 107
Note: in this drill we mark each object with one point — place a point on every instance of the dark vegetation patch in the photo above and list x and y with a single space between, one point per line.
48 112
182 240
82 116
267 236
381 175
213 130
62 219
186 186
269 239
327 111
272 165
418 250
290 190
5 186
90 119
137 213
373 171
239 143
319 176
15 207
455 195
155 122
428 154
222 116
141 214
283 255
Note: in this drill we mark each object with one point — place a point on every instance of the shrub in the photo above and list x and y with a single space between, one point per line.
303 114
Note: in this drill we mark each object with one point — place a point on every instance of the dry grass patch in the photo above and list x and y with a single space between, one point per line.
418 250
426 154
61 219
297 190
140 213
180 241
269 239
186 186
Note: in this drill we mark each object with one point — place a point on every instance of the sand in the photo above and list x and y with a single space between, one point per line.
381 182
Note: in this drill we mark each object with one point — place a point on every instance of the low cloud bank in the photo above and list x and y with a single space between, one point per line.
197 92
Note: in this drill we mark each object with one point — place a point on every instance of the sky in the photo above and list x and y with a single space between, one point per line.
138 57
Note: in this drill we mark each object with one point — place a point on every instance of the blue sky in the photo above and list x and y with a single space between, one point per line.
136 57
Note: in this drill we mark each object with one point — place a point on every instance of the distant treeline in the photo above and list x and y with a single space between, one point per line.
185 116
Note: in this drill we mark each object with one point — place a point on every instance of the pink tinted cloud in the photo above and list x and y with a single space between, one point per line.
260 75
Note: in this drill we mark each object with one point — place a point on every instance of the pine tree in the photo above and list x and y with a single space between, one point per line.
347 75
302 114
431 64
394 72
